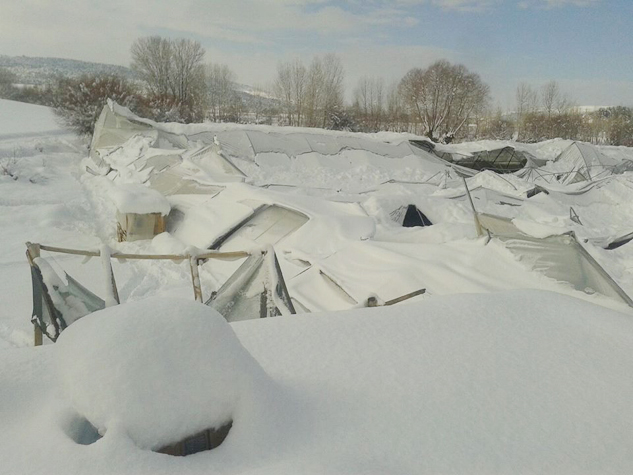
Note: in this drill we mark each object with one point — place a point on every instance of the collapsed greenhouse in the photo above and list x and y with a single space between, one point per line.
301 236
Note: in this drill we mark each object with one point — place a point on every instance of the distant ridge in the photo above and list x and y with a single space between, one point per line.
42 71
37 71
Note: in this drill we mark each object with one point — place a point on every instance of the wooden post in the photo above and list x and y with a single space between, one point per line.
106 257
195 278
34 251
405 297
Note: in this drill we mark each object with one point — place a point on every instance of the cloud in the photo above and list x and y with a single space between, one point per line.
455 5
372 37
103 31
483 5
466 5
551 4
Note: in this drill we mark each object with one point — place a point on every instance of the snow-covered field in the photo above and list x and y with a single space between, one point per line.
497 368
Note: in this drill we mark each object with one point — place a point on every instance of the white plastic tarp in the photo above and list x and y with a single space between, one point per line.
255 290
560 257
581 161
267 226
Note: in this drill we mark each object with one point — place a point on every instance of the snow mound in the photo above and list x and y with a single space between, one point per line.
134 198
157 370
18 119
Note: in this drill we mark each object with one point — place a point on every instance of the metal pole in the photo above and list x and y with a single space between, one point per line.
472 205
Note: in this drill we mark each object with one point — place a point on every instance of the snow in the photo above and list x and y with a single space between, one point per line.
134 198
157 370
497 368
18 119
534 229
518 382
106 264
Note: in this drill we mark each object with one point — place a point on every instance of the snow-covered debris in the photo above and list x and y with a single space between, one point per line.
505 381
138 199
70 306
277 155
157 370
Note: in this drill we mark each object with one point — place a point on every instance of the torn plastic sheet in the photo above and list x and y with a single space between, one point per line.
559 257
268 225
255 290
57 304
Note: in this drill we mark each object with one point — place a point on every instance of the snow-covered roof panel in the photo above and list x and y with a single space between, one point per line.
290 144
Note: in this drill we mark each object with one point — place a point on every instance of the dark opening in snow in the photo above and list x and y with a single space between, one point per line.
81 430
414 217
205 440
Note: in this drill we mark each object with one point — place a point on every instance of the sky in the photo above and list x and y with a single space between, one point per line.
584 45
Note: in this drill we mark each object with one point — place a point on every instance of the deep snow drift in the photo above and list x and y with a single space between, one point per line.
518 382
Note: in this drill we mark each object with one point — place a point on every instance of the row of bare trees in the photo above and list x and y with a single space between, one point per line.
312 96
174 85
548 112
438 101
443 101
378 106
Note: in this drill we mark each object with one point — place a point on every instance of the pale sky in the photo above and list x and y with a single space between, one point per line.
585 45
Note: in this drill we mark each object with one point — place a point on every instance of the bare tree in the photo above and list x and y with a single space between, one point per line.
565 104
527 99
262 107
323 91
333 77
298 74
315 93
220 91
527 103
369 102
187 72
313 96
470 97
496 126
562 120
397 119
290 88
151 60
282 89
550 96
443 97
174 76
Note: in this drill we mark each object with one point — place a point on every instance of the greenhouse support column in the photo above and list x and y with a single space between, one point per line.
195 278
34 251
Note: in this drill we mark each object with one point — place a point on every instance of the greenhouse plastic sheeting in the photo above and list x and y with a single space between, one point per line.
559 257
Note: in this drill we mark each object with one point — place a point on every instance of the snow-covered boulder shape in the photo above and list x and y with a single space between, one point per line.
133 198
159 370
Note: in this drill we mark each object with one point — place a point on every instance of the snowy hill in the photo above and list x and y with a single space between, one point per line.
40 71
18 119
